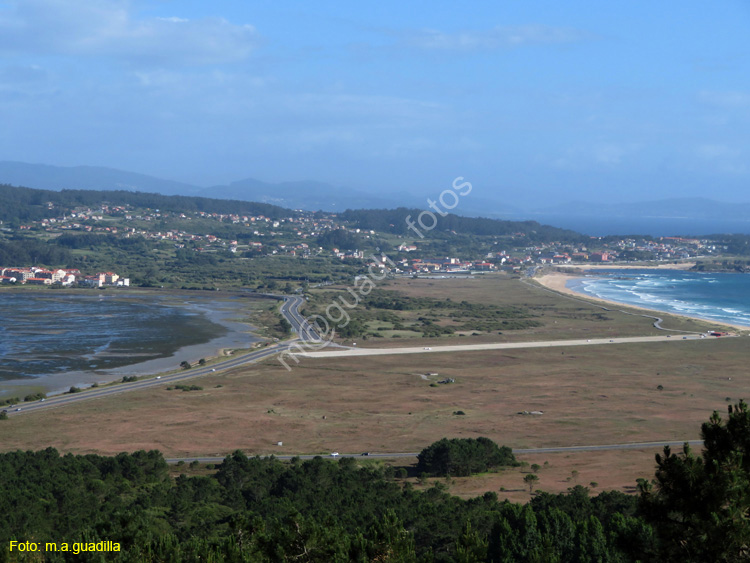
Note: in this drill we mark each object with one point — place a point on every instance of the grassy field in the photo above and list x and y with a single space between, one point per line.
598 471
559 317
596 395
589 395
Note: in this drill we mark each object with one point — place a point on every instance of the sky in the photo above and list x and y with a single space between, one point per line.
535 103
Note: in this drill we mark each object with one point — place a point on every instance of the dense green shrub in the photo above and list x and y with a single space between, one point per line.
463 456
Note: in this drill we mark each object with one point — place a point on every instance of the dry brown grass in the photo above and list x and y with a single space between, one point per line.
589 395
593 395
610 470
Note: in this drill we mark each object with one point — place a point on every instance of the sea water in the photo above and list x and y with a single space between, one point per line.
48 333
719 297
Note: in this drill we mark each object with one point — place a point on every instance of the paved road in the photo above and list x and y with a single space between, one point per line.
495 346
67 399
517 451
628 446
290 310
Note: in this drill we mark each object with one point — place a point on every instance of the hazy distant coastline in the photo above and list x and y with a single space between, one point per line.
687 216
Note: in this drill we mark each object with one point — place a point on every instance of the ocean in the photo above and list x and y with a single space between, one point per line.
644 225
720 297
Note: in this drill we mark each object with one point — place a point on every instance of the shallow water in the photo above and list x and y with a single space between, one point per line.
46 333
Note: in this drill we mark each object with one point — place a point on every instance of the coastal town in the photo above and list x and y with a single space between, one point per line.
304 235
346 282
63 277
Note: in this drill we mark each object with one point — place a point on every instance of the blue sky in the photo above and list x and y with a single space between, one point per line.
534 102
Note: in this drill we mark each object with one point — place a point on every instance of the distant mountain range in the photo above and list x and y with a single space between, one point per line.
311 196
307 195
43 176
314 196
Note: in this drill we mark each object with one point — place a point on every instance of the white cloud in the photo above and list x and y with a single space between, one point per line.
724 158
174 19
16 74
386 110
113 28
607 154
729 99
497 38
713 152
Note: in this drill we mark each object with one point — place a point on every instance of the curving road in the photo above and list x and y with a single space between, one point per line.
290 310
305 333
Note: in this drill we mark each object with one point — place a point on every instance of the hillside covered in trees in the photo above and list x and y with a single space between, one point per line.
253 509
26 204
393 221
264 510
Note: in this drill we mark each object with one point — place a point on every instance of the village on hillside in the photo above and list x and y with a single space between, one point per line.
300 234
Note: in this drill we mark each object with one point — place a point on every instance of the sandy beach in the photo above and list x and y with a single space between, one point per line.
557 281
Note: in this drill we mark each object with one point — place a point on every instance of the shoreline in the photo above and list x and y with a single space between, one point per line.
219 310
557 281
602 266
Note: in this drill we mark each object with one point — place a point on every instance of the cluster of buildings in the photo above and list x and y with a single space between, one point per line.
444 266
302 226
566 258
559 253
64 277
626 249
296 236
